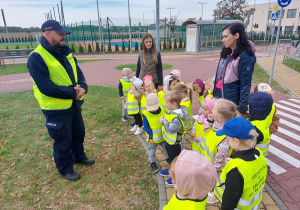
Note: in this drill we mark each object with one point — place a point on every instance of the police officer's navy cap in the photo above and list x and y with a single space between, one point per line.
53 25
237 127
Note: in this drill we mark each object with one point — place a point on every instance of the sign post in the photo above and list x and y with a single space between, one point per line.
281 3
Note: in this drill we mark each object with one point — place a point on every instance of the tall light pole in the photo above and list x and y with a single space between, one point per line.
153 16
143 22
157 27
170 23
99 26
130 41
253 16
202 8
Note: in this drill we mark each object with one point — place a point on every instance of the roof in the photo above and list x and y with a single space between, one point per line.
211 22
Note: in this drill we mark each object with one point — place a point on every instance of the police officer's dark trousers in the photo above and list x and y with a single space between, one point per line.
68 132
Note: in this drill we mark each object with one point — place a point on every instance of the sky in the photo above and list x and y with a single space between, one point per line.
26 13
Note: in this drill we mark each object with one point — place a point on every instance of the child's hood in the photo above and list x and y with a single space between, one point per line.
181 112
195 175
166 83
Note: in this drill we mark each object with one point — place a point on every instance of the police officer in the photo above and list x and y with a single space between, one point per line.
59 86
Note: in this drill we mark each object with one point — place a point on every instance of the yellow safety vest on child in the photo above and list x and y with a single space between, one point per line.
125 88
263 126
199 133
171 138
188 105
155 126
254 174
179 204
161 96
133 106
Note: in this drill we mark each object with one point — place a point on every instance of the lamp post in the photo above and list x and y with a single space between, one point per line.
253 16
170 24
130 41
202 8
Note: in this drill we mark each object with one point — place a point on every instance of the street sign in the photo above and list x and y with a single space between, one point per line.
275 8
284 3
274 16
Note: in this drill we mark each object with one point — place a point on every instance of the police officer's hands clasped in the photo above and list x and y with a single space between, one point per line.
80 92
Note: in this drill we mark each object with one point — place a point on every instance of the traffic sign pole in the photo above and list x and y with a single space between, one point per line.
276 44
273 28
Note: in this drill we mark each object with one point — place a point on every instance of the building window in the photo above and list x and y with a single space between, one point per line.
288 29
270 15
291 13
278 11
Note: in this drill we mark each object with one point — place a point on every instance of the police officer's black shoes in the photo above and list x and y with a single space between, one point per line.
73 176
87 161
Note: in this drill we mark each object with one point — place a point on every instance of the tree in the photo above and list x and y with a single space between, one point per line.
123 47
136 46
170 44
109 47
73 48
128 48
180 43
17 47
81 49
232 9
90 48
164 45
117 48
175 43
97 47
141 46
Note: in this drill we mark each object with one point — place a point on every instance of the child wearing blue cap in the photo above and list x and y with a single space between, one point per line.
242 180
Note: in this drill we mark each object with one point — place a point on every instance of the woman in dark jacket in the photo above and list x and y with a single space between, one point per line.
235 68
149 62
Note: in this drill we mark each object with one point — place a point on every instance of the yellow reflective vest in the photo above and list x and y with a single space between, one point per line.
188 105
161 96
180 204
200 98
143 102
199 133
133 106
209 95
125 87
171 138
264 127
254 174
155 125
59 76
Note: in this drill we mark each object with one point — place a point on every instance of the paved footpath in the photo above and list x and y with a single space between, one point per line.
284 155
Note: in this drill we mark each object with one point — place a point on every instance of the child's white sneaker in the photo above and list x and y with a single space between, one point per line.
139 131
134 128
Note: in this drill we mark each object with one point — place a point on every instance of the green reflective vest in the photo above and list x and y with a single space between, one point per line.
189 123
254 174
133 106
125 88
161 96
155 125
172 137
180 204
59 76
263 126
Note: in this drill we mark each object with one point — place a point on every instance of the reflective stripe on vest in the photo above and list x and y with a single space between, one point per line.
125 88
188 105
161 95
209 144
254 174
132 104
179 204
172 137
263 126
155 125
59 76
199 133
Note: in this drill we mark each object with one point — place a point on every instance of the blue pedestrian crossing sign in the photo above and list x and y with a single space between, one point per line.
284 3
274 16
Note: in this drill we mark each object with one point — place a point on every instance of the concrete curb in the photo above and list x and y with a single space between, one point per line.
276 199
160 180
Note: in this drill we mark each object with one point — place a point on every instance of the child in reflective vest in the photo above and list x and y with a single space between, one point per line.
169 83
203 124
193 176
154 129
243 178
209 88
275 118
260 107
176 73
124 86
149 88
199 87
187 98
173 127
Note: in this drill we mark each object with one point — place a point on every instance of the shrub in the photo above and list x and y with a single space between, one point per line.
170 44
123 47
128 48
90 48
117 48
141 46
73 48
180 42
109 47
17 47
136 46
97 47
27 47
175 44
165 45
81 49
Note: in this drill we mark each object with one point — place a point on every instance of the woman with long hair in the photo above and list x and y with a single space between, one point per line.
235 68
149 62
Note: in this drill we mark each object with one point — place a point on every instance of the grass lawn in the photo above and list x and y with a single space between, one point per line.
289 63
120 179
21 46
260 75
133 66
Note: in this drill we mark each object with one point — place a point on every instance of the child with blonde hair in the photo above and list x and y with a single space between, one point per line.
169 83
203 124
193 177
199 87
243 178
124 86
187 98
149 88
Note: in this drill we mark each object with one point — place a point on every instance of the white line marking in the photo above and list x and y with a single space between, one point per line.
295 100
288 133
288 116
286 108
282 155
276 169
286 143
292 125
290 104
